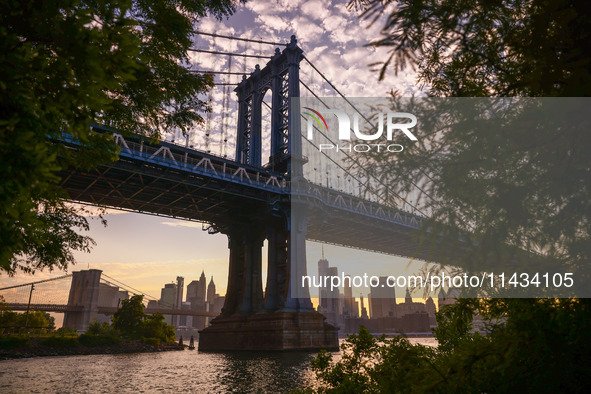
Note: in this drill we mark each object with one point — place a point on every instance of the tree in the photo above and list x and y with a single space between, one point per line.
133 323
35 322
67 64
528 189
129 318
524 185
155 327
487 48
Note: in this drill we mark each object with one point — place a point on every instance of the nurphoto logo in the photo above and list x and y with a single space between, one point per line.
397 123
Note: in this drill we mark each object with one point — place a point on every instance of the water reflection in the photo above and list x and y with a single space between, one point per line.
184 371
265 372
179 371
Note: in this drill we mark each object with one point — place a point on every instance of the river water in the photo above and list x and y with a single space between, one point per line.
174 371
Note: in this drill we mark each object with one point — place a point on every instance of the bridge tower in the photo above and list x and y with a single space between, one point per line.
281 318
84 292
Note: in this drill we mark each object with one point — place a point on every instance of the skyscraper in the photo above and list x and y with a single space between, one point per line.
322 272
202 289
350 307
211 292
167 299
178 302
382 299
196 294
363 310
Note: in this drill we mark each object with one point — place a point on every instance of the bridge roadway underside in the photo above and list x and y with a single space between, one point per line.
160 190
365 233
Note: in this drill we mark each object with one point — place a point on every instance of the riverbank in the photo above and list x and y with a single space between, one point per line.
36 349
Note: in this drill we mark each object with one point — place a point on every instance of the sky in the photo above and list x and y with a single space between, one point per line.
145 252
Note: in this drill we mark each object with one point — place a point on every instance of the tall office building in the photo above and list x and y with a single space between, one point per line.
350 305
202 289
382 299
323 291
178 302
167 299
196 295
211 292
363 310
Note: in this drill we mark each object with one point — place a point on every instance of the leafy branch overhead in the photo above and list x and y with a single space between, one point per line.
486 48
64 65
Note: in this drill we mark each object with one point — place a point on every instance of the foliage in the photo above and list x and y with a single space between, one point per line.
520 187
67 64
454 325
130 316
36 322
155 327
152 341
373 365
131 321
93 340
13 341
487 48
98 335
516 356
60 341
96 328
66 332
524 184
526 188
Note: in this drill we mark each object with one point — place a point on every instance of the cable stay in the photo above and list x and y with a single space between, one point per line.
228 53
35 283
239 38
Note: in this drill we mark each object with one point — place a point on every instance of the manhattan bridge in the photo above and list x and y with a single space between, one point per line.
249 185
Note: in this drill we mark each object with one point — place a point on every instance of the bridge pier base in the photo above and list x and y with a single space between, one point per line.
285 319
279 331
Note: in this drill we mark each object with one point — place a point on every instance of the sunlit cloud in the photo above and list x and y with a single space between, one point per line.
184 224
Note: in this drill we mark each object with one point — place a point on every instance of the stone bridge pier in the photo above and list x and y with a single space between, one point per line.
281 318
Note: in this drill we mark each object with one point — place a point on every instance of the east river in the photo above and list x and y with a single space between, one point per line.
173 371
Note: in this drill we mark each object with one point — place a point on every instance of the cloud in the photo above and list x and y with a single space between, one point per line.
88 210
184 224
316 9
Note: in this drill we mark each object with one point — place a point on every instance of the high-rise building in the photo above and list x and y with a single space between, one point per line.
363 310
202 289
109 296
178 301
192 291
382 299
350 305
167 299
211 292
329 302
323 294
196 295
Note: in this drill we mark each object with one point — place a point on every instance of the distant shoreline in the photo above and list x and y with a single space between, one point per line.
36 350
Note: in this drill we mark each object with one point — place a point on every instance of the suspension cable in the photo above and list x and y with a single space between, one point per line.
228 53
34 283
353 159
238 38
216 72
359 112
128 287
